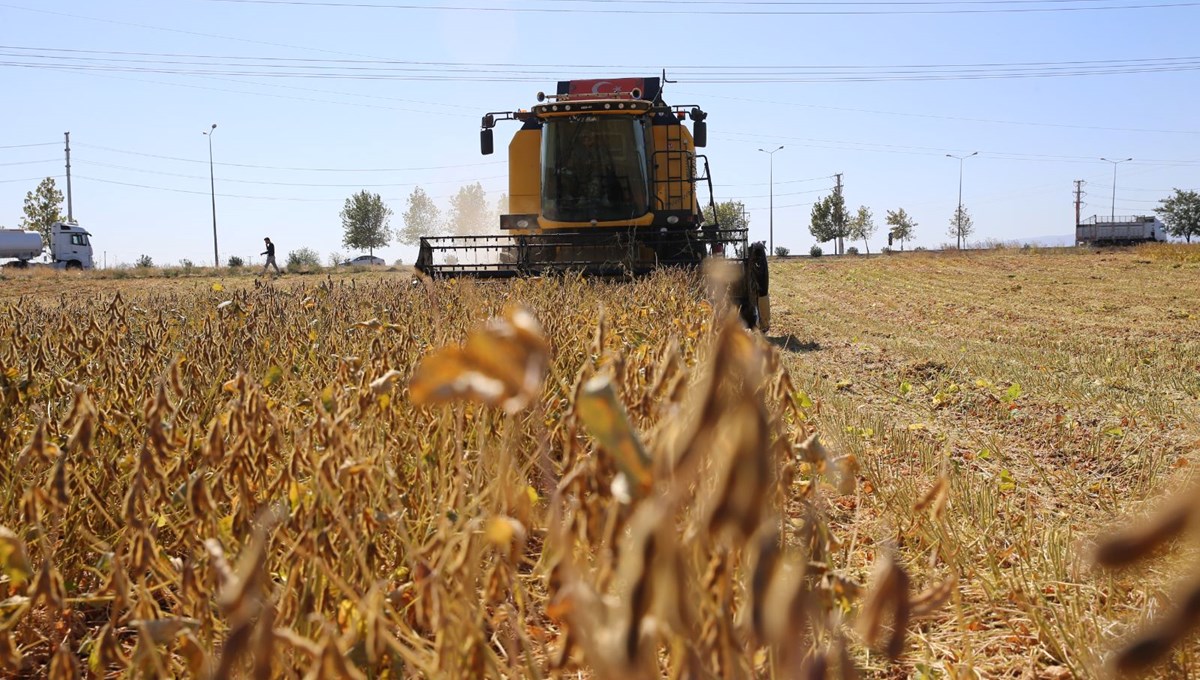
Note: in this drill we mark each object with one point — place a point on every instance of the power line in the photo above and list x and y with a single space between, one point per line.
27 146
44 160
29 179
288 184
242 196
296 68
940 117
724 12
65 53
278 167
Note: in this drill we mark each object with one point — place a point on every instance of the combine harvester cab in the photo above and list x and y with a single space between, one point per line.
603 179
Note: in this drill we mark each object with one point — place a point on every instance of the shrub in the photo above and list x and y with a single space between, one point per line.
815 251
303 259
335 259
145 261
235 262
781 251
852 250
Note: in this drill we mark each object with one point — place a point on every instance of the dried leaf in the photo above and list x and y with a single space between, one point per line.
502 364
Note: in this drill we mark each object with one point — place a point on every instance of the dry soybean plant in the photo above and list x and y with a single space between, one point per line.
423 479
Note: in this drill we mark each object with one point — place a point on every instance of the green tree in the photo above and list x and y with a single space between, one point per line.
961 226
303 259
728 214
828 221
469 212
43 207
365 222
901 225
420 219
862 226
1181 214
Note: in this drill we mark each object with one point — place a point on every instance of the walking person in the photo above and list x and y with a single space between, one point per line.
270 253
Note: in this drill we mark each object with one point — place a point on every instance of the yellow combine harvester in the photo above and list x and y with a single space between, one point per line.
603 180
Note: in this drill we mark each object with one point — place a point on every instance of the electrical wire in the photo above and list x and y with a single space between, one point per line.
279 167
284 184
29 179
1024 9
27 146
939 117
242 196
44 160
294 68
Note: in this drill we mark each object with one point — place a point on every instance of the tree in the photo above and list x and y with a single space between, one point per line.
829 219
43 207
728 214
470 212
961 225
862 226
302 259
365 222
144 262
420 219
1181 214
901 225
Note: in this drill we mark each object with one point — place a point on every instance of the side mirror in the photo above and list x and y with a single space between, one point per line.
700 133
485 142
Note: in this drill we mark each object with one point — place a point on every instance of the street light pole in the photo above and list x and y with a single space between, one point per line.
212 185
958 213
772 193
1113 215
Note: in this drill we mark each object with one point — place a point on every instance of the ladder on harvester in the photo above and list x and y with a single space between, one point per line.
675 170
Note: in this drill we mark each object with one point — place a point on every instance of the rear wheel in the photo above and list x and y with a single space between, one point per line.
74 265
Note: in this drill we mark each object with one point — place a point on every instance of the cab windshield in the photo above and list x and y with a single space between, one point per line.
594 168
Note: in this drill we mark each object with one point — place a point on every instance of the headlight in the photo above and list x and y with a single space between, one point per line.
523 224
673 219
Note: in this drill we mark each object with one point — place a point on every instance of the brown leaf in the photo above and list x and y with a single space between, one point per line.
934 500
1134 543
502 364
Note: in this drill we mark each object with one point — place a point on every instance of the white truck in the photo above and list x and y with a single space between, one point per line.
70 246
1103 231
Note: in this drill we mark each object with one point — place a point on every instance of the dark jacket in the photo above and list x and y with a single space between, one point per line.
270 251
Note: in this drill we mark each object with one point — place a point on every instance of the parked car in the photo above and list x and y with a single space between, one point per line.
364 261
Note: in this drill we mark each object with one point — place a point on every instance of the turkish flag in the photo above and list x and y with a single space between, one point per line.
607 87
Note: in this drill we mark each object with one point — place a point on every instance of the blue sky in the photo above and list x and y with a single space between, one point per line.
289 150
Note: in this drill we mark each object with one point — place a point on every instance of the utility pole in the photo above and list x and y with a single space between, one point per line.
70 213
838 191
958 214
771 233
1113 215
212 186
1078 200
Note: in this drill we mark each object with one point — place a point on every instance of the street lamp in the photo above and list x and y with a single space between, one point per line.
212 185
958 214
1113 216
772 218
